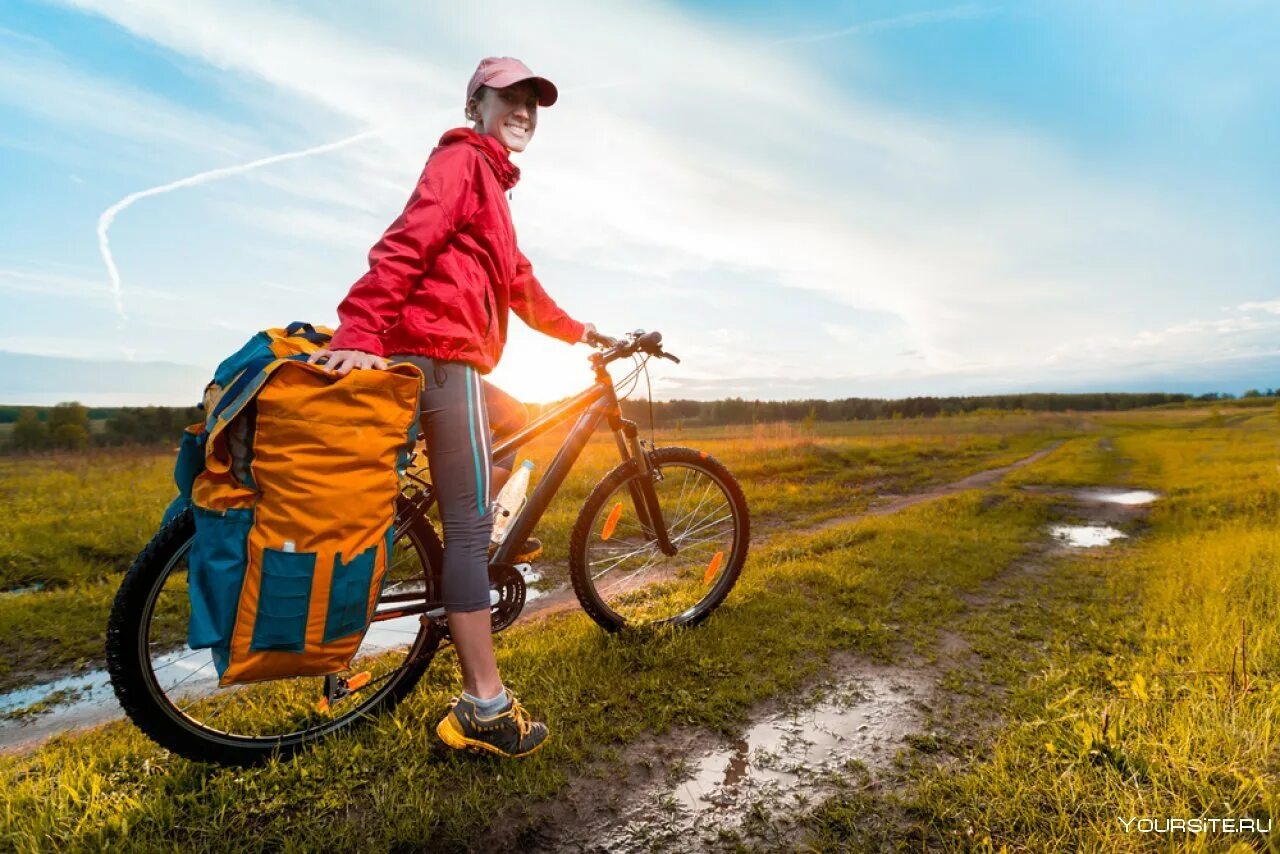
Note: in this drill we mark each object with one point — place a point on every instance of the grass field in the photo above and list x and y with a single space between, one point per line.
1146 685
76 521
1101 686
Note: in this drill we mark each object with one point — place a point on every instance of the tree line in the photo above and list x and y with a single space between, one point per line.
741 411
68 425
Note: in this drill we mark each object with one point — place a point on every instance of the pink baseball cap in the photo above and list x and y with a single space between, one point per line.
501 71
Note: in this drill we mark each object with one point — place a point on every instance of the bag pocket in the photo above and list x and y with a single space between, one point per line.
190 460
215 574
283 601
349 595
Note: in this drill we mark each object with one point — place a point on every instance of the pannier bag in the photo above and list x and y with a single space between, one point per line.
292 479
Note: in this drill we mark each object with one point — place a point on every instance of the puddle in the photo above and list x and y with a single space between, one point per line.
1127 497
789 759
1086 536
31 715
18 591
34 714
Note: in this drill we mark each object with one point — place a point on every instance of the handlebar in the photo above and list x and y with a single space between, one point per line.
595 339
632 343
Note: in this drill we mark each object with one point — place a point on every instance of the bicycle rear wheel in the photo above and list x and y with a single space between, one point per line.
171 691
620 575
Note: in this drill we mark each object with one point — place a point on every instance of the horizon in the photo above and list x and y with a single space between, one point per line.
900 200
181 399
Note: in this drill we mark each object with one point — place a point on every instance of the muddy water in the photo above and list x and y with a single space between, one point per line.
1086 536
1102 506
78 702
781 761
18 591
1127 497
88 699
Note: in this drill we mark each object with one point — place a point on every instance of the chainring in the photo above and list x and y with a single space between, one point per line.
509 583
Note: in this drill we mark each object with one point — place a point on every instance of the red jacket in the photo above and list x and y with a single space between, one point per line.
441 278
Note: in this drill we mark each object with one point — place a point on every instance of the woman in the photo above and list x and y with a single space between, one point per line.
439 284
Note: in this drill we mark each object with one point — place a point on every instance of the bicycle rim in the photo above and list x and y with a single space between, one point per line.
184 682
639 584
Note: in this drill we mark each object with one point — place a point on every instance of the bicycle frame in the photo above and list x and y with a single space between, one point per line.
597 403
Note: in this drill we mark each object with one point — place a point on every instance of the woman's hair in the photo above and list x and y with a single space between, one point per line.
478 96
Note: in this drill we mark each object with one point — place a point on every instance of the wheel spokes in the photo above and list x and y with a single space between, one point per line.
633 577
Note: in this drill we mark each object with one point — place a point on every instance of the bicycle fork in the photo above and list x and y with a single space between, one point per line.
643 494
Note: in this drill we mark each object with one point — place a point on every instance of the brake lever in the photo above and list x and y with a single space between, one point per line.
666 355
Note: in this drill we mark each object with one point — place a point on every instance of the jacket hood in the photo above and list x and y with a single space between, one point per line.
494 152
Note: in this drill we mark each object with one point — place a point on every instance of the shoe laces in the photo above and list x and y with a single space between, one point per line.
524 721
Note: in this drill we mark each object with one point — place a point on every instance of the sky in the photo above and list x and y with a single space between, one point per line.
808 200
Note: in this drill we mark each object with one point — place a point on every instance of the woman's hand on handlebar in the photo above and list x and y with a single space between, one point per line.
341 362
594 338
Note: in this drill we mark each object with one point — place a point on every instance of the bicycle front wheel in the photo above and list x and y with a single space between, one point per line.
171 691
621 576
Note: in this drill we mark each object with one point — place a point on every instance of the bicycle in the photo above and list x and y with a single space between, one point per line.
660 541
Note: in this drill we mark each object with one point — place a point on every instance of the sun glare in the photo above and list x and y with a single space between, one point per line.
539 371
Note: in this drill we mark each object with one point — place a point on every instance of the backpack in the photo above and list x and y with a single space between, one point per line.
292 480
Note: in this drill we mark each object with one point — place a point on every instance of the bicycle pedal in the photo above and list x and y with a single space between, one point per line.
528 573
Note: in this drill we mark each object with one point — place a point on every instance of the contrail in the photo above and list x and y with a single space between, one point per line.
108 216
913 19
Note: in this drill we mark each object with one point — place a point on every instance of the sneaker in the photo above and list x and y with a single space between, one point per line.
511 733
531 549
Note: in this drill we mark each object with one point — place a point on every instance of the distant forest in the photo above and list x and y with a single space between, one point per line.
71 426
736 410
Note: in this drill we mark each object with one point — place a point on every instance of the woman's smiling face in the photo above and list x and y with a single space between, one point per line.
509 114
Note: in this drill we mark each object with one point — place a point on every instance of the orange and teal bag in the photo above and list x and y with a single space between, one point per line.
292 480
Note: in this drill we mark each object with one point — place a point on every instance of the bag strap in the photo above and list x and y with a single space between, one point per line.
307 332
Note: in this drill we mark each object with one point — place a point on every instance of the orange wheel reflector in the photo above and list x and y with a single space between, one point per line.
712 567
612 522
355 683
323 706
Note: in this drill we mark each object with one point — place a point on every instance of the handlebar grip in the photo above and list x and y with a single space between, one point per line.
648 341
601 340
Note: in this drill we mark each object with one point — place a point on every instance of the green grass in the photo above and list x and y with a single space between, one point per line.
78 517
1103 681
866 588
1123 690
77 520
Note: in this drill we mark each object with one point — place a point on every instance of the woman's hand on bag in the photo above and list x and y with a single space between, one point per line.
341 362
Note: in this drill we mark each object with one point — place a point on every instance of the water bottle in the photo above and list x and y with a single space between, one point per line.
510 500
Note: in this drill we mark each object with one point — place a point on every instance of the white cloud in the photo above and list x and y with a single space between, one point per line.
46 85
329 64
1272 306
982 247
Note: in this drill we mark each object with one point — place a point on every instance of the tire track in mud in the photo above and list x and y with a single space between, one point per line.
561 599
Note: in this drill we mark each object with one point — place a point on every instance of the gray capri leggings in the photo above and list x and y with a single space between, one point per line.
462 415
